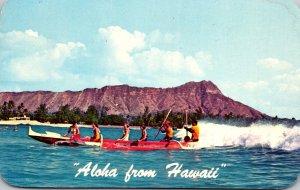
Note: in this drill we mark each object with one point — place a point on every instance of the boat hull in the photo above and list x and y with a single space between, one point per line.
146 145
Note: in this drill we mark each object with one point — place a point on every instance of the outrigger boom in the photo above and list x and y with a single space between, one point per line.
57 139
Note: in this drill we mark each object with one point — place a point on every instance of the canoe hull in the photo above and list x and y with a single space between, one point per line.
146 145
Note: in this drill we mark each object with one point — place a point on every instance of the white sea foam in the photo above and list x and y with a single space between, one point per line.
256 135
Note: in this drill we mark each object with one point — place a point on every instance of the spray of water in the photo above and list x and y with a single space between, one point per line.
256 135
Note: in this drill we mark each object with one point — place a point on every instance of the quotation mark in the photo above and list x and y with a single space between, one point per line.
76 164
223 165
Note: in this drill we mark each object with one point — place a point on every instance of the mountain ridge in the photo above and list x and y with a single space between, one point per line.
124 99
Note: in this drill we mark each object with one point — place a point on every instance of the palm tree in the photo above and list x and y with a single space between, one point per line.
91 115
41 113
63 115
20 110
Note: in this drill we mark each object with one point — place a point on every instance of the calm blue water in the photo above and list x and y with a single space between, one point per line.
25 162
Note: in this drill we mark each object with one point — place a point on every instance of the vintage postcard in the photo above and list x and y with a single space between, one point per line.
150 94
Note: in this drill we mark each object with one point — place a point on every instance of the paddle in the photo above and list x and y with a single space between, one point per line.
186 138
163 123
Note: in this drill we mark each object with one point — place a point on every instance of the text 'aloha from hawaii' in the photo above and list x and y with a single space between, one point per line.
173 170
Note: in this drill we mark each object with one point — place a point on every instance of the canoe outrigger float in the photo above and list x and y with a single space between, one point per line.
57 139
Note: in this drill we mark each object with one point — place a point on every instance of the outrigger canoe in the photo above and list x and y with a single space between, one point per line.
57 139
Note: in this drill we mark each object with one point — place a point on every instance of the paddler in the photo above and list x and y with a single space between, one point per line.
194 130
74 130
169 131
144 133
126 132
96 133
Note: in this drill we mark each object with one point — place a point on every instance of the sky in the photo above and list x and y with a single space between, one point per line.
250 49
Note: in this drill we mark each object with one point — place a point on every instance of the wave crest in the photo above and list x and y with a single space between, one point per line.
256 135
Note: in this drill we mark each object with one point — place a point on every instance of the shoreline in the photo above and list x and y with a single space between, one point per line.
48 124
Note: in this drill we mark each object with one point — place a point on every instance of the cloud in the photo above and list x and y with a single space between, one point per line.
274 64
255 85
30 57
293 76
132 57
118 56
106 80
21 43
281 91
121 42
204 57
17 38
256 94
42 65
289 82
155 61
157 37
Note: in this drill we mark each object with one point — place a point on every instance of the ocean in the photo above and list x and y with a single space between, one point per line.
258 156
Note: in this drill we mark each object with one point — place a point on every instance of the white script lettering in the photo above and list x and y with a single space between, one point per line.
176 169
138 173
95 172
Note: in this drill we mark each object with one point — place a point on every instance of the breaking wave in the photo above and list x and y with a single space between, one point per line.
258 134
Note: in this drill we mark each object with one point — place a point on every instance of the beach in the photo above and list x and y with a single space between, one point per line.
48 124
